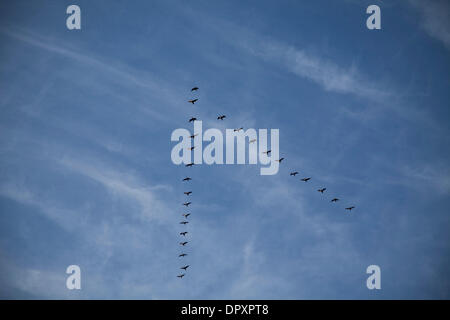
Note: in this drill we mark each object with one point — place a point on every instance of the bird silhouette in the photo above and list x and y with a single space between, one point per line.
187 179
334 200
186 215
191 148
279 160
221 117
293 173
267 152
192 119
305 179
190 164
350 208
194 135
184 222
239 129
183 233
187 193
181 275
182 255
194 89
184 243
185 267
193 101
187 204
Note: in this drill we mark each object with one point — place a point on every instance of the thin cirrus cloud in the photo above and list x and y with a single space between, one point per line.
435 19
46 44
327 74
123 185
142 87
142 84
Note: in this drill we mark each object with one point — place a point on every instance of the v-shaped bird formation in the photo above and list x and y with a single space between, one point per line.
188 193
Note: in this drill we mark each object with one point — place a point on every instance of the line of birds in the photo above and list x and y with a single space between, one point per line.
188 193
185 215
321 190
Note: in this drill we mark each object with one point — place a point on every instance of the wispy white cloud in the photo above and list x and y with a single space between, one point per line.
107 238
122 184
143 91
69 220
253 281
319 239
147 90
435 18
323 72
48 45
435 176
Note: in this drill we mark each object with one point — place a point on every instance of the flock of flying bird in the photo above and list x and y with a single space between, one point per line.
321 190
183 234
185 215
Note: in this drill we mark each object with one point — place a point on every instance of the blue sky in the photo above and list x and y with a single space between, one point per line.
86 176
